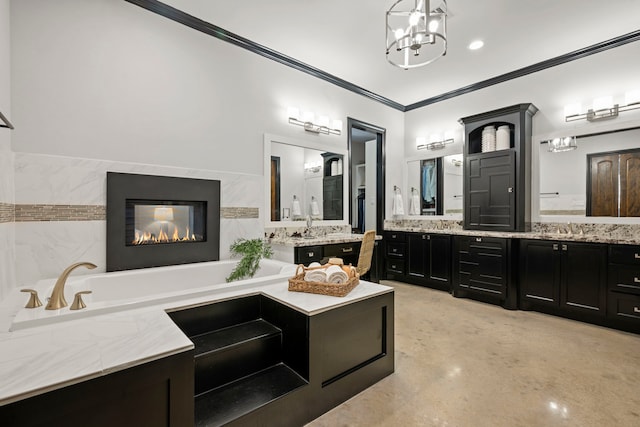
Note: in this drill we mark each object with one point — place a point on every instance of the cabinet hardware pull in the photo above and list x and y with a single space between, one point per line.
637 256
555 246
564 247
310 254
636 280
347 250
510 189
478 239
424 236
393 236
393 266
394 250
636 309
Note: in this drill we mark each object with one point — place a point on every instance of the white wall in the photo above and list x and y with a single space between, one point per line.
612 72
109 81
7 253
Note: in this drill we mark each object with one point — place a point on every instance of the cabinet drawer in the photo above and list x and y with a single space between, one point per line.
395 266
395 250
624 278
308 254
342 249
624 307
624 254
394 236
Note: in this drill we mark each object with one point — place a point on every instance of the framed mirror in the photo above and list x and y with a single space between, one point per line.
303 178
434 186
600 178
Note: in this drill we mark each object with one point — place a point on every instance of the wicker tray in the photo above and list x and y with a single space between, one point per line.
298 284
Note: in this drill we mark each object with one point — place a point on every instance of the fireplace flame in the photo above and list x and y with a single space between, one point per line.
146 237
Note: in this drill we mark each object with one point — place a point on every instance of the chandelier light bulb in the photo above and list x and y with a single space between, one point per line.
399 33
433 26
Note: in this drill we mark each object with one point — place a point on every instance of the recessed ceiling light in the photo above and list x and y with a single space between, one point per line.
476 44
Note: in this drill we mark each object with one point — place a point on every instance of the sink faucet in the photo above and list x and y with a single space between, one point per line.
57 300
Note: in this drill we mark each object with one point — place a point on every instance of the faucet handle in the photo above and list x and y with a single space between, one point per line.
78 304
34 301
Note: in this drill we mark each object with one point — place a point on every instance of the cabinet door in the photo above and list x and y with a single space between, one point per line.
491 191
630 184
439 261
584 277
417 248
540 272
482 265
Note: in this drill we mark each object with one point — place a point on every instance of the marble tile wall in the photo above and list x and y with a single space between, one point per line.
7 227
44 248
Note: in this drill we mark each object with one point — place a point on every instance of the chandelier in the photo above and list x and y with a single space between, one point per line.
416 34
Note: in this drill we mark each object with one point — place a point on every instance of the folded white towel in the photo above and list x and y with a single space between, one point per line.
295 208
315 264
398 205
318 275
414 205
335 274
315 209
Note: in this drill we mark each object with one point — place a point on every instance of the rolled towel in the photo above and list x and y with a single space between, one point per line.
314 264
336 275
317 275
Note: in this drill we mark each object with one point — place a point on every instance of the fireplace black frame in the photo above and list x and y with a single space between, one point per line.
124 186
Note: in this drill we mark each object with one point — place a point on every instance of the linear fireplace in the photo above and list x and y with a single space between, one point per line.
158 220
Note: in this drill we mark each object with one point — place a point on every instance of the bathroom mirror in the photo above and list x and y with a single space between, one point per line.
303 179
434 186
571 182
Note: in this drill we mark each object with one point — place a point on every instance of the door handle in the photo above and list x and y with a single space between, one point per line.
510 189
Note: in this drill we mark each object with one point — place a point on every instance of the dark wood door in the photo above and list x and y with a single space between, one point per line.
275 188
630 184
539 271
603 173
490 200
584 267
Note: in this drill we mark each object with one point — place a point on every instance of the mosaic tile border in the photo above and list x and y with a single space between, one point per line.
47 213
7 212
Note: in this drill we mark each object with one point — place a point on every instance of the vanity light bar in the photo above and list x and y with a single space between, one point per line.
307 119
601 112
435 145
314 128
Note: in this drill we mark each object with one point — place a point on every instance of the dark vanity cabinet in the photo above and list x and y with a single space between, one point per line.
482 269
349 253
566 278
497 184
428 260
394 255
623 298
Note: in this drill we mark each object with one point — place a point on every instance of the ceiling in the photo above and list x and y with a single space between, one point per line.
346 38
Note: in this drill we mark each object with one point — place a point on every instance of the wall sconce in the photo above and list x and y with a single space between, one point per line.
436 141
603 108
567 143
5 122
312 167
307 120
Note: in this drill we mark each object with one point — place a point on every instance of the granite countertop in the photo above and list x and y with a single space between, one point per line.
326 239
43 358
577 237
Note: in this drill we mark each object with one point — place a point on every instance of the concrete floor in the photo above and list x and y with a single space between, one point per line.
464 363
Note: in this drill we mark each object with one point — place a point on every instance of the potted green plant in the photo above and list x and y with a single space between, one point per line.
251 251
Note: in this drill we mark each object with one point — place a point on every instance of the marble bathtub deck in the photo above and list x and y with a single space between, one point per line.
464 363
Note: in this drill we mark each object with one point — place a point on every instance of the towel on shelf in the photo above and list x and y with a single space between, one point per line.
414 204
317 275
398 205
315 210
336 275
295 208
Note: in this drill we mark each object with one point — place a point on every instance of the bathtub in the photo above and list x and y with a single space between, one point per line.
124 290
